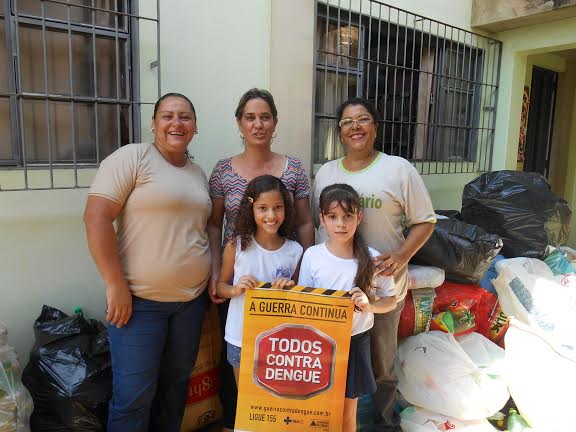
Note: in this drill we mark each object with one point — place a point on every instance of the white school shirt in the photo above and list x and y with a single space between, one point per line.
320 268
266 266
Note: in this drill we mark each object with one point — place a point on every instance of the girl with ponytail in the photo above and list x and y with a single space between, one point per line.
345 262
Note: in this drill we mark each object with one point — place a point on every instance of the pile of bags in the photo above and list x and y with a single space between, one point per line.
520 208
501 256
453 379
69 373
69 376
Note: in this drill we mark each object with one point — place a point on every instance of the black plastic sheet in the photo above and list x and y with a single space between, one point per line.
463 250
69 374
520 208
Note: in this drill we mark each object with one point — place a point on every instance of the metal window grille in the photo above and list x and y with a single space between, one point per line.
69 87
435 86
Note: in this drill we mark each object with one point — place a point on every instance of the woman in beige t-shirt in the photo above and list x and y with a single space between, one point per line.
155 267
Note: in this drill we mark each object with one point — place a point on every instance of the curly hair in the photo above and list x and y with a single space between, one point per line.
245 227
346 197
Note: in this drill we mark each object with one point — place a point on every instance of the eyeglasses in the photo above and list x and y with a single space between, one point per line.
360 121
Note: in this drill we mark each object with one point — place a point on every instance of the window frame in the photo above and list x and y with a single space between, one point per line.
418 46
441 91
124 38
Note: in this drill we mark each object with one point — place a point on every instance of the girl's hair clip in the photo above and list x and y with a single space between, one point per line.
251 199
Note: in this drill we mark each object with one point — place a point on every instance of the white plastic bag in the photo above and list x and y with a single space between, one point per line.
486 355
416 419
15 401
436 373
528 290
530 265
425 276
541 380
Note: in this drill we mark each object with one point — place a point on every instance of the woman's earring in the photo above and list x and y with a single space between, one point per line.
274 135
196 132
153 130
242 136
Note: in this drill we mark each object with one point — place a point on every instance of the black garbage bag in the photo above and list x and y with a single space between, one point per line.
69 374
520 208
463 250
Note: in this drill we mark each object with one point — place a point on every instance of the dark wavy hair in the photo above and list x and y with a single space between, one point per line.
346 197
256 93
356 101
245 227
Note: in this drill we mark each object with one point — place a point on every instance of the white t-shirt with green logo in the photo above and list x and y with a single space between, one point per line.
393 196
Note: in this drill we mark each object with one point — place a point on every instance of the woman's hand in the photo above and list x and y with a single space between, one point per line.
119 302
245 282
282 282
360 300
390 263
213 290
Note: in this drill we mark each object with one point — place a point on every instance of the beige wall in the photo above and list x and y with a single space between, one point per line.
291 75
213 52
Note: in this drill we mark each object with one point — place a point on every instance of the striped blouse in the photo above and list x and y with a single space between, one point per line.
225 183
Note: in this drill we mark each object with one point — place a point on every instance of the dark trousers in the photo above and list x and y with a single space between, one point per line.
383 341
152 357
228 389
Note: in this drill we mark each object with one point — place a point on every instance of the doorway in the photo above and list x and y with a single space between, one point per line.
540 120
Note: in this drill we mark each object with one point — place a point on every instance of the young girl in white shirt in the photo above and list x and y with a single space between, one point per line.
344 262
262 250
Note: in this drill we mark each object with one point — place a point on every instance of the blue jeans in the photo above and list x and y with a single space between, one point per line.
152 357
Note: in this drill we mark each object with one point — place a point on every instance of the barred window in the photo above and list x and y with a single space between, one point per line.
434 85
68 87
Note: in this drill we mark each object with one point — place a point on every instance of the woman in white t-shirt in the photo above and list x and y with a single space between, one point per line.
345 262
393 197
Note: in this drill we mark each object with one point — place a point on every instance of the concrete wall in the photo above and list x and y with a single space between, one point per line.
211 52
291 75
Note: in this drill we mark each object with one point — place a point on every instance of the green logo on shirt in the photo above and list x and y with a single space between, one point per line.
370 202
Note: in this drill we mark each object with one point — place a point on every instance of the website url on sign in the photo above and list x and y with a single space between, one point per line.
289 410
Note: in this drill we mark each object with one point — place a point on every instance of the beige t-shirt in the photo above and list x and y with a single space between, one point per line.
392 195
161 231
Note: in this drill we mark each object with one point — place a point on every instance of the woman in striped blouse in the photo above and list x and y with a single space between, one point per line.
256 116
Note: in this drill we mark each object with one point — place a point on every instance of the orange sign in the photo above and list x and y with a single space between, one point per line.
294 359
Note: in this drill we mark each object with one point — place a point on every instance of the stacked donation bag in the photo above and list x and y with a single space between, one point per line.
486 338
